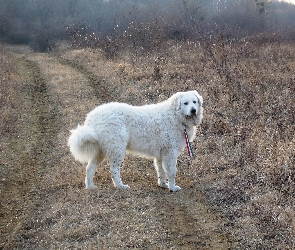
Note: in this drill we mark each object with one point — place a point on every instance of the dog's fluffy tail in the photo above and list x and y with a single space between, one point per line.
83 143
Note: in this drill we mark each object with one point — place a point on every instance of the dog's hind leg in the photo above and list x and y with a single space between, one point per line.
161 173
90 170
116 163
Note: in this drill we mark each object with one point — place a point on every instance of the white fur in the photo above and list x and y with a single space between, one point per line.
154 131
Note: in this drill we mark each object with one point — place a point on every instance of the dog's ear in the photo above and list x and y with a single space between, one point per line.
175 100
200 98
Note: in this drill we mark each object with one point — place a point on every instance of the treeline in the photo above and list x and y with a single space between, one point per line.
40 23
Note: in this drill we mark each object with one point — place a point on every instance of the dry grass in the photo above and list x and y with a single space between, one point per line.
238 192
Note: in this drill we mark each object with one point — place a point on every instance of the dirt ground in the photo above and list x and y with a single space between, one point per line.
44 204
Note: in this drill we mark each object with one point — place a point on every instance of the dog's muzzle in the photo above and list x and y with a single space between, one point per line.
193 112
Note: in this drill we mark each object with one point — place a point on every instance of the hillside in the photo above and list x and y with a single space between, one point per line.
237 192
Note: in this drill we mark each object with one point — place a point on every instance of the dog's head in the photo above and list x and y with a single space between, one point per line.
189 106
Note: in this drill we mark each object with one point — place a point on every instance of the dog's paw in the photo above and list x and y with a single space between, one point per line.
163 185
123 187
174 189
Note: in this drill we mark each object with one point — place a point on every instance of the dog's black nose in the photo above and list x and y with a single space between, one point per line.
193 111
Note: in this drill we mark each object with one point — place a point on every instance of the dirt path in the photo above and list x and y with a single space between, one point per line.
29 148
43 201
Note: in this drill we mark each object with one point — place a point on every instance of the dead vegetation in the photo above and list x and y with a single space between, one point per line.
238 191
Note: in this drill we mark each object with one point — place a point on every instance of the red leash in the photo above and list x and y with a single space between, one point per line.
188 145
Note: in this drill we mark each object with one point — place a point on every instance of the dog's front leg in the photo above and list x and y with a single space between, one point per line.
160 173
169 164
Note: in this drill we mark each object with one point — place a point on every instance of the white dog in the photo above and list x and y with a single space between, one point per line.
154 131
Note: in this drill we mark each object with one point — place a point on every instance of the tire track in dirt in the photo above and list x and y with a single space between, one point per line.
98 84
37 129
194 225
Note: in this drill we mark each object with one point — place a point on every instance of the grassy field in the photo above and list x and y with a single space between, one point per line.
238 190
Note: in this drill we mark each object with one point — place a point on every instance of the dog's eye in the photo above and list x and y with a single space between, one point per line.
186 103
194 102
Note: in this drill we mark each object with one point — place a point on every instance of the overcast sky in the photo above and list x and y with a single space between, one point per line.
290 1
